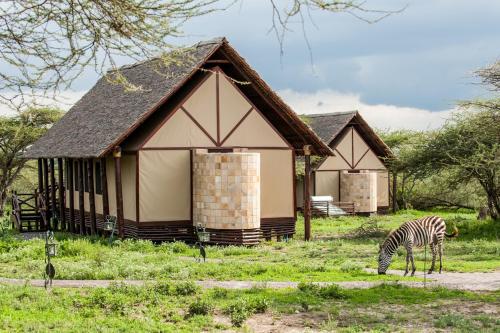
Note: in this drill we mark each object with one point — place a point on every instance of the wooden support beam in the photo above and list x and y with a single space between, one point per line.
81 197
90 179
62 203
104 186
53 198
307 194
117 154
46 194
40 175
71 189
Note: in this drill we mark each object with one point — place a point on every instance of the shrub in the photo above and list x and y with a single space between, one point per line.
351 267
329 291
259 305
186 288
238 312
200 307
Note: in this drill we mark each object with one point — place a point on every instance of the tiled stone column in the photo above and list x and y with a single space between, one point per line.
226 190
360 188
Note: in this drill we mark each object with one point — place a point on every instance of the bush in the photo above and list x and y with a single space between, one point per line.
200 307
238 312
351 267
186 288
330 291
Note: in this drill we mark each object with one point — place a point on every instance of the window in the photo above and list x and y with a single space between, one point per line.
98 183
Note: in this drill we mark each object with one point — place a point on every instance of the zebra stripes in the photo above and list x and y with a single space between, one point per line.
429 230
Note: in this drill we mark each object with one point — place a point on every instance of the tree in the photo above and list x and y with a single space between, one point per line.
17 133
469 147
46 44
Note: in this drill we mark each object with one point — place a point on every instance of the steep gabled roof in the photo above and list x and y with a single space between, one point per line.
108 113
329 126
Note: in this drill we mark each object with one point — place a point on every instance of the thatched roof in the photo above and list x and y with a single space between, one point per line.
108 113
329 126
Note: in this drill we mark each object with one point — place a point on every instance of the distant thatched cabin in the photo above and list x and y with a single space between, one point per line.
358 172
203 140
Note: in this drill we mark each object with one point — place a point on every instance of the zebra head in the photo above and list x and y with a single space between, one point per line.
384 259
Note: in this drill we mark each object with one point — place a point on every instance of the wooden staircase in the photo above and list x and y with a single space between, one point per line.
28 210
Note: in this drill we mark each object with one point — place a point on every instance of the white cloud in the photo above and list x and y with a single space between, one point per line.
381 116
64 101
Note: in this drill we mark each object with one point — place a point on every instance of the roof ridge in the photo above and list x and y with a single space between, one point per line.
329 113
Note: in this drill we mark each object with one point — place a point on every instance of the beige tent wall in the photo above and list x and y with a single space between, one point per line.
98 197
254 131
327 183
344 147
202 105
277 182
299 192
334 163
179 131
110 175
129 187
383 188
164 185
359 147
233 106
370 161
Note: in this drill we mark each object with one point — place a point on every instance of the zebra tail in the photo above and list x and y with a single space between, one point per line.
453 234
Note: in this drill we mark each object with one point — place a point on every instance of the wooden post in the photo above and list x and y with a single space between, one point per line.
117 154
62 203
81 197
40 175
90 179
394 192
46 191
71 188
307 194
53 209
104 186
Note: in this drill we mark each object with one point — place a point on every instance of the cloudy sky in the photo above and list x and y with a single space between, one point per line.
407 71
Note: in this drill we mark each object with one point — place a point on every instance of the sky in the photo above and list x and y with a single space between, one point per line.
406 71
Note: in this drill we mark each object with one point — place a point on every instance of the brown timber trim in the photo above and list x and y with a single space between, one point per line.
46 191
362 156
90 177
62 203
175 109
236 126
53 198
191 153
232 147
294 185
217 106
256 109
104 186
351 170
71 189
145 116
199 125
118 190
159 223
307 194
81 197
137 213
352 147
339 186
217 61
40 176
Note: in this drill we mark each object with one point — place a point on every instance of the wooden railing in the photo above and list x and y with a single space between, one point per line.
323 208
25 211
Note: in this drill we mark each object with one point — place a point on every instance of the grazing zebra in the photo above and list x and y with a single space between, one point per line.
428 230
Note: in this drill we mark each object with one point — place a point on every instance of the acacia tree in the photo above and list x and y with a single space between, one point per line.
46 44
17 133
469 146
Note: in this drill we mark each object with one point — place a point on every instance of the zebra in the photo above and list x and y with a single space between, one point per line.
428 230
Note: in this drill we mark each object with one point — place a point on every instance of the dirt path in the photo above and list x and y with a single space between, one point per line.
462 281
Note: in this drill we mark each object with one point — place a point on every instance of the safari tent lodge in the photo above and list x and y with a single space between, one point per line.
201 140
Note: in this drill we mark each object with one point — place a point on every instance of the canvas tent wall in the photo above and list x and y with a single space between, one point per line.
356 147
145 141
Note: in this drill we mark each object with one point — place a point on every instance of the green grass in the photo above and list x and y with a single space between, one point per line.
336 254
170 307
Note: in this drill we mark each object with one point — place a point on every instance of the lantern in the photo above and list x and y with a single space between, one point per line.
109 224
203 236
51 249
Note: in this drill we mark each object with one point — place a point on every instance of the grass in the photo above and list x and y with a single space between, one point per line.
170 307
338 253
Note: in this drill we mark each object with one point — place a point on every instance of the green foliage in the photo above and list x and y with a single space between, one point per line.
331 291
200 306
238 312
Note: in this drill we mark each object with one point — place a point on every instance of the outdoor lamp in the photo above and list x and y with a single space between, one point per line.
51 249
203 236
108 225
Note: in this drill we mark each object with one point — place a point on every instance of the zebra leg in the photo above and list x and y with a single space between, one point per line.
407 261
434 253
410 253
440 245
